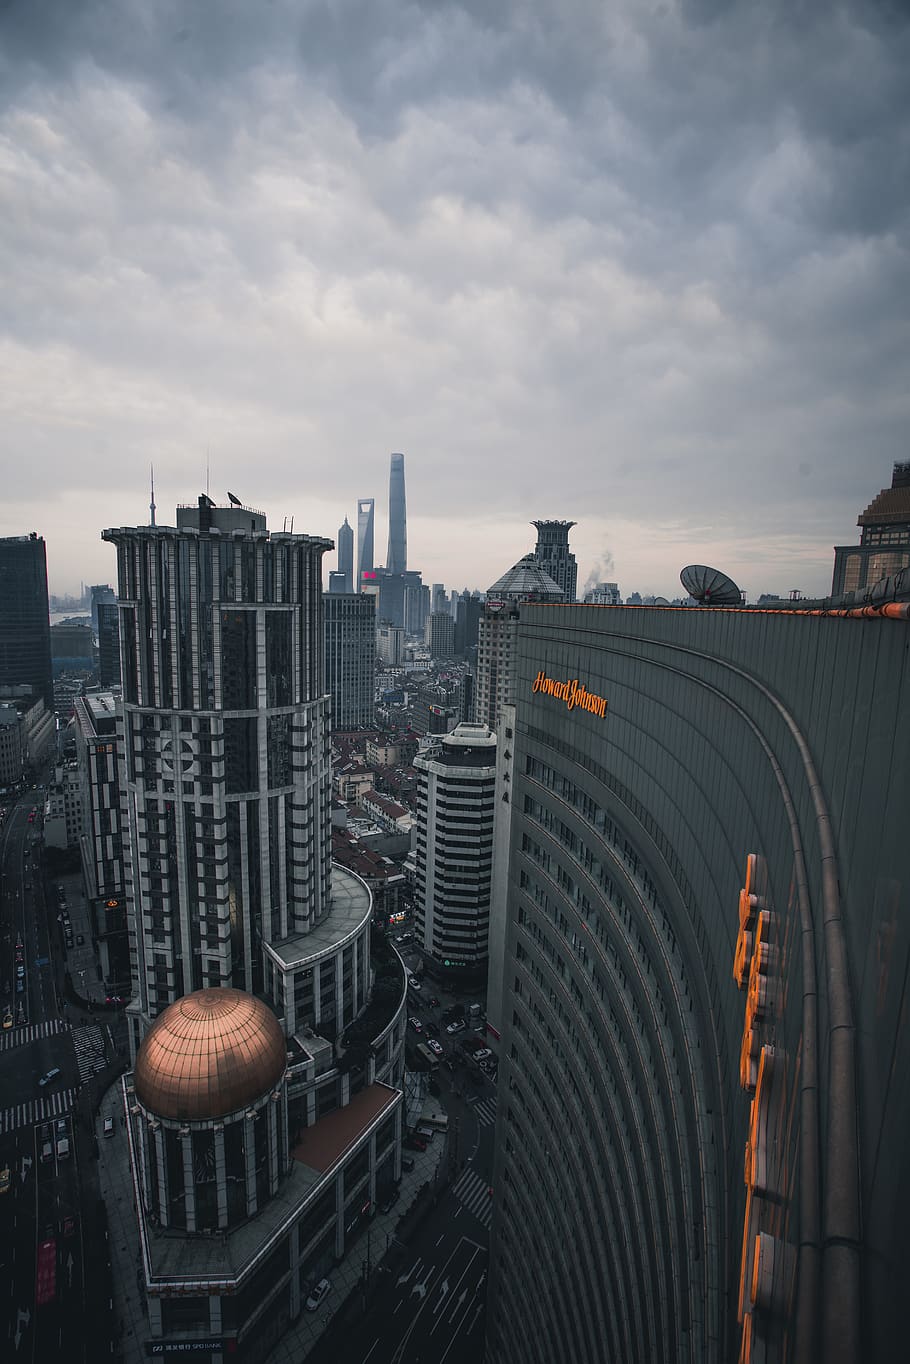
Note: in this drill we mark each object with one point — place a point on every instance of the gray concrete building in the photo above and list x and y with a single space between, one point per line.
884 547
350 658
25 638
554 556
706 951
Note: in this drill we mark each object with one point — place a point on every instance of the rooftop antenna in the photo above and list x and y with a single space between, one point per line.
152 503
206 471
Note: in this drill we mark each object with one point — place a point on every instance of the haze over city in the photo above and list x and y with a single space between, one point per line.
641 267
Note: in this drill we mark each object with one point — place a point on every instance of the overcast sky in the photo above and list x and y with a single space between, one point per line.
639 264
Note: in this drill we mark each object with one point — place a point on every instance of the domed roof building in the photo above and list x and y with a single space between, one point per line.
210 1081
210 1054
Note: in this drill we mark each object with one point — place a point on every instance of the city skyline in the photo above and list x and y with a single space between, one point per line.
643 270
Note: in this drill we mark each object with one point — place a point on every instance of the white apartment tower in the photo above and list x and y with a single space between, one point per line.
454 859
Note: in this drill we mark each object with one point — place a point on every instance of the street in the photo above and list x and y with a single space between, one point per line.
51 1223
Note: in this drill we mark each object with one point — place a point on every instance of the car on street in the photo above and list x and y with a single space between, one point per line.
63 1148
4 1180
407 1164
424 1133
414 1143
414 983
108 1126
80 939
456 1026
7 1019
20 971
415 1024
69 1226
435 1047
51 1075
317 1295
482 1054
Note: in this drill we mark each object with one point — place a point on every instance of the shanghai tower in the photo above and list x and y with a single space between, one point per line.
397 557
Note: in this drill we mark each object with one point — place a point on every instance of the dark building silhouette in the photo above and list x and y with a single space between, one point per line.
884 547
108 644
25 632
467 624
705 1065
554 556
397 557
345 558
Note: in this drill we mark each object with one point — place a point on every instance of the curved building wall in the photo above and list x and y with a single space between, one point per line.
667 829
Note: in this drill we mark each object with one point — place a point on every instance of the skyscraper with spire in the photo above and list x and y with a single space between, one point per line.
366 507
346 555
397 557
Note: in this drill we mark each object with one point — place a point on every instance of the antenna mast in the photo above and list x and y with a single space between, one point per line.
152 503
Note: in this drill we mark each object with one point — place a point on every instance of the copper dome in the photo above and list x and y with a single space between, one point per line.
211 1053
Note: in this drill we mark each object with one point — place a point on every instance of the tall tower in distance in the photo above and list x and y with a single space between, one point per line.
366 508
554 556
346 556
25 631
397 557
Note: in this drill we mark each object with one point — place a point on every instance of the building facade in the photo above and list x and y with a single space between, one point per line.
225 740
397 556
706 949
345 557
439 634
884 547
554 555
108 644
264 1107
454 853
99 743
498 630
350 658
25 631
366 509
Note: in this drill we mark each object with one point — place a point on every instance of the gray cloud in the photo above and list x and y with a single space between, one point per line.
640 265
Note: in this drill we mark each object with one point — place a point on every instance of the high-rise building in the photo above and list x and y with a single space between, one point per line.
101 592
227 845
98 731
350 658
337 582
707 932
554 556
25 638
497 631
397 557
108 644
604 594
884 547
416 606
390 641
467 624
439 634
454 858
264 1108
345 558
439 598
365 512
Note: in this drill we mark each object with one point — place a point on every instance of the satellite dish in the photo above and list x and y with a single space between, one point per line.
709 586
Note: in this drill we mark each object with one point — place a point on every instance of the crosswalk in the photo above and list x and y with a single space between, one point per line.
33 1111
89 1045
486 1112
474 1193
18 1037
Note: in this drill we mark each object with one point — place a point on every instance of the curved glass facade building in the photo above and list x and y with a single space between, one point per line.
705 1060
